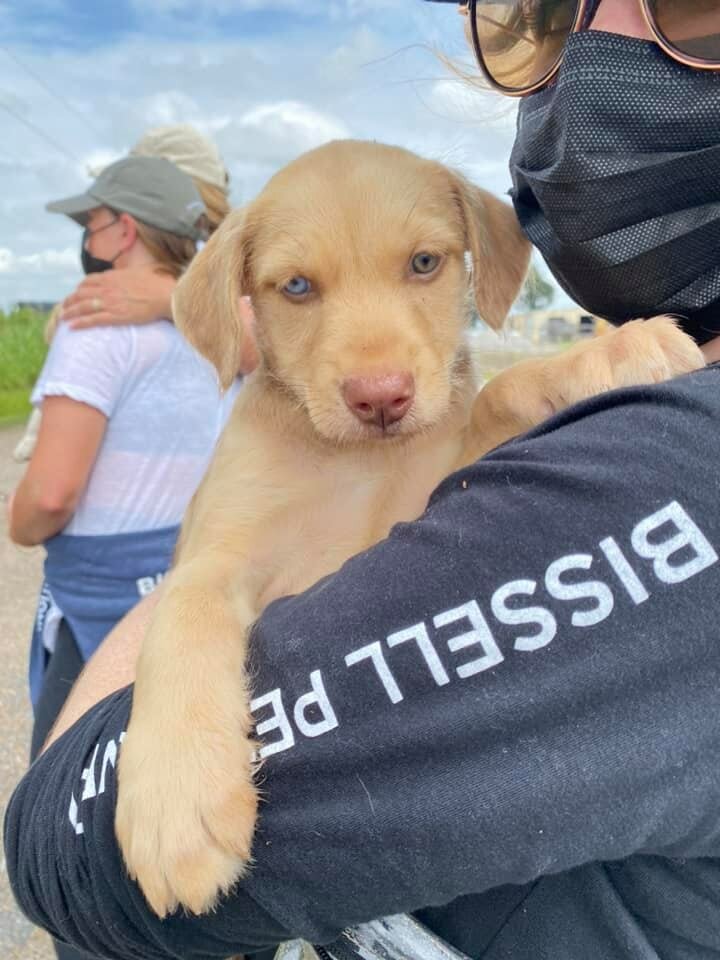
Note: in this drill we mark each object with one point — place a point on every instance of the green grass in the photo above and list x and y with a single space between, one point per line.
22 353
14 406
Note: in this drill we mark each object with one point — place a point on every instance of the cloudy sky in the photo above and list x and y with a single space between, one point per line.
81 80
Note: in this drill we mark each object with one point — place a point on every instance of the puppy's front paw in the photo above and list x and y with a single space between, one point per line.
186 810
637 353
650 351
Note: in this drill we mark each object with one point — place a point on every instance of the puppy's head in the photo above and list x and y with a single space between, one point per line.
355 259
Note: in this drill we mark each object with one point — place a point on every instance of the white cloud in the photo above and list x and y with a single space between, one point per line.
279 131
360 8
351 9
220 7
96 161
41 262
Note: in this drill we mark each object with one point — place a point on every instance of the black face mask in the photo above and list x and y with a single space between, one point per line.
616 180
91 264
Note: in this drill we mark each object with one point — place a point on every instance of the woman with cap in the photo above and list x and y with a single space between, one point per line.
130 416
137 296
504 717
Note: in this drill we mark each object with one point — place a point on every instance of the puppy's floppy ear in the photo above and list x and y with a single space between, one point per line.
206 302
499 249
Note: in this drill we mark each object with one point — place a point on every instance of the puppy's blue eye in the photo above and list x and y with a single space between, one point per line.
424 263
297 287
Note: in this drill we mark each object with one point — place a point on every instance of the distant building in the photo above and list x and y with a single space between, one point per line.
555 325
40 306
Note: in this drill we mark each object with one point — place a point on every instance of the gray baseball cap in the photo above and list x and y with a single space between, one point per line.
149 188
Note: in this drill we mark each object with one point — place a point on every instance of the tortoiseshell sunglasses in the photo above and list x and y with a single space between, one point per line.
519 43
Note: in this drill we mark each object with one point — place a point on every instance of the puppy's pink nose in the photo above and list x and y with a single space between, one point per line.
380 400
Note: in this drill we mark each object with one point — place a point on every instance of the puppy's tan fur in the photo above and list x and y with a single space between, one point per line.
299 483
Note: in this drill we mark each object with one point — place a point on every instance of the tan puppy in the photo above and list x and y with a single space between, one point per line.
365 398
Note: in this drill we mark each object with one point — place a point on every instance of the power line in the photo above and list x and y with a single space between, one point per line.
53 93
41 133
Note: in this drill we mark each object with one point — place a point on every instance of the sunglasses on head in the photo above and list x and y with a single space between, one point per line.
519 43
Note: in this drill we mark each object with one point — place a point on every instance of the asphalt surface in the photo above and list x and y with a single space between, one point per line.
20 577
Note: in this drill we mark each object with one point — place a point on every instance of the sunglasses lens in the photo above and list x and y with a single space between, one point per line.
691 27
520 41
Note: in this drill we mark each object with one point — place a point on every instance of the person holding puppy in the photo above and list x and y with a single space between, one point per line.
503 718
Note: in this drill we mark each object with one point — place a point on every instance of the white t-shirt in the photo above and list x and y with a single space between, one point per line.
165 413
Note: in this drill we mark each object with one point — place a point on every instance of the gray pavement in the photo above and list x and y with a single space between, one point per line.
20 576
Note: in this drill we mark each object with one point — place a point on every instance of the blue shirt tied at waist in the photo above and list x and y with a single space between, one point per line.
94 581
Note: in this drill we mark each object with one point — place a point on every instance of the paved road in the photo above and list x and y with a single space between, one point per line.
20 575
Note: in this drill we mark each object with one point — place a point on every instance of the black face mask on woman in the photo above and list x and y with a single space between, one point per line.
616 180
91 264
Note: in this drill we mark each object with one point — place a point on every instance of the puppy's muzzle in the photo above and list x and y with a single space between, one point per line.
380 400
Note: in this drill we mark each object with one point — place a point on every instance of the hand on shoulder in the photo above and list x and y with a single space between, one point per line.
133 296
